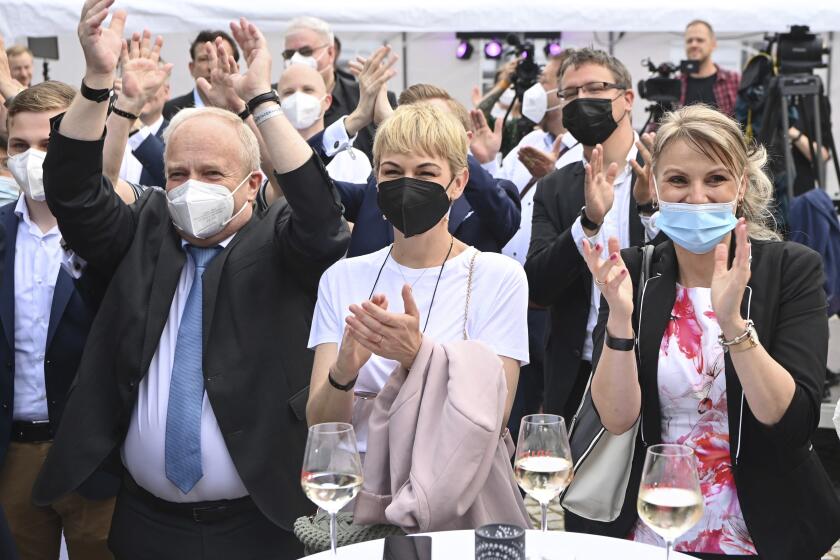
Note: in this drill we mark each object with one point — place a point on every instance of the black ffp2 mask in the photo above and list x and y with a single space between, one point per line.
590 120
413 206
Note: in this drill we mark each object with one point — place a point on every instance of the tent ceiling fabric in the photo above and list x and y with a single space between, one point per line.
54 17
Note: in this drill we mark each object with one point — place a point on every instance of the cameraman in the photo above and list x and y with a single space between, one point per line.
711 85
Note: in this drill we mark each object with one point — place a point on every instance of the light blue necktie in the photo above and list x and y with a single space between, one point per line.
186 386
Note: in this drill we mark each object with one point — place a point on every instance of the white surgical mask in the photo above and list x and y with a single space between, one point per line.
298 58
535 102
202 209
500 109
9 190
302 109
28 170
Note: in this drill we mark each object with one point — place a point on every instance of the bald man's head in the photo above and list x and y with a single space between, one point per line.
299 77
304 98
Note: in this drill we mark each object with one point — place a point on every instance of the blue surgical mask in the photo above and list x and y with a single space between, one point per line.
697 228
9 190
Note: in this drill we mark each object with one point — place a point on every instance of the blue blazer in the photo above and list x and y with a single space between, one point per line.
150 155
71 315
487 215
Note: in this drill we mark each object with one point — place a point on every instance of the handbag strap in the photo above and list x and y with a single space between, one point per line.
469 291
644 276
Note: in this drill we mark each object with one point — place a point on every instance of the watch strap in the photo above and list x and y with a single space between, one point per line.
620 344
246 112
586 222
338 385
95 95
124 114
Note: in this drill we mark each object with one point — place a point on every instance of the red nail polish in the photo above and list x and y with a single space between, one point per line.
614 257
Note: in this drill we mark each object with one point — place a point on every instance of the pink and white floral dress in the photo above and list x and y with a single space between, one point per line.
692 398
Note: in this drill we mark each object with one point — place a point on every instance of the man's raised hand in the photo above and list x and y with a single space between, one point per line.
102 45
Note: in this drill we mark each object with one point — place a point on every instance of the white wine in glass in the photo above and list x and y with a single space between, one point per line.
670 501
332 471
543 464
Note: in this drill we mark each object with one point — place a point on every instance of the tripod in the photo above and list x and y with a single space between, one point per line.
803 92
657 111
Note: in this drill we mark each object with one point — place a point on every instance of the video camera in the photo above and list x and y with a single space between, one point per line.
799 51
527 71
663 87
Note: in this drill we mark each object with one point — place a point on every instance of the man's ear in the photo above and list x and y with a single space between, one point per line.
327 101
470 135
192 66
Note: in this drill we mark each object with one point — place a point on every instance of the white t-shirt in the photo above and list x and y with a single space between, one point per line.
498 311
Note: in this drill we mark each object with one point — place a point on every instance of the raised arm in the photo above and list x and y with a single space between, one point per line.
315 235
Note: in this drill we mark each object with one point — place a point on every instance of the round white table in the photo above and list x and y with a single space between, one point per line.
553 545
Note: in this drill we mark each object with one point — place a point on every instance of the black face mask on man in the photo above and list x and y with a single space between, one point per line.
590 120
413 206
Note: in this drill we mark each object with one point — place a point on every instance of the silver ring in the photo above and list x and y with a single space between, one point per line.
599 284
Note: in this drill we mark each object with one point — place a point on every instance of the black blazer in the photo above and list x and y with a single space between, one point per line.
259 296
345 97
788 501
559 279
177 103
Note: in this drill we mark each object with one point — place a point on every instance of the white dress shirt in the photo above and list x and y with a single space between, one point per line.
515 171
616 224
198 102
131 168
143 452
38 259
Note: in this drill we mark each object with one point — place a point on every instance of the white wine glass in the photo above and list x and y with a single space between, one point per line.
543 463
332 471
670 501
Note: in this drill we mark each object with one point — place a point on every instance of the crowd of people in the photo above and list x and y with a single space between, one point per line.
189 282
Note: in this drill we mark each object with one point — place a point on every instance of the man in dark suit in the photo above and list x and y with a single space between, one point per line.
199 68
196 373
310 41
45 315
587 200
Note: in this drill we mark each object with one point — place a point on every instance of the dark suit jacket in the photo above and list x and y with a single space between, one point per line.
788 502
8 550
345 97
259 295
486 216
177 103
150 155
559 279
71 316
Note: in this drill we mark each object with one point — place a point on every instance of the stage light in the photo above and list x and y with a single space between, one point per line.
493 49
552 48
464 50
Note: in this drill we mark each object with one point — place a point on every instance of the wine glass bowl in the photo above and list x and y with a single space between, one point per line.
543 464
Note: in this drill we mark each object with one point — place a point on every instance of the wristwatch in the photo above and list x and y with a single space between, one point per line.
586 222
338 385
262 98
744 341
620 344
95 95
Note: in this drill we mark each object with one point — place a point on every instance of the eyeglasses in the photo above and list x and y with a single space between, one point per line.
304 51
592 88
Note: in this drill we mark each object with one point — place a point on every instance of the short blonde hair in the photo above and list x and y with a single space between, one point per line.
419 93
719 138
17 50
422 128
250 147
40 98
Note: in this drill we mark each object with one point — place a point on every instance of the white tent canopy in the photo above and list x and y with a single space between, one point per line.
54 17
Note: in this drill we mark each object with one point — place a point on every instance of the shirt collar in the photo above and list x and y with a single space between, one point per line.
631 155
197 101
155 126
223 243
22 212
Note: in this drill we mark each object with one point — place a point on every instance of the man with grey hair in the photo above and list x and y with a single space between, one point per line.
195 381
593 198
310 41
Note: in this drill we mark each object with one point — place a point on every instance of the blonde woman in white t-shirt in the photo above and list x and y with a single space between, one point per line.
374 310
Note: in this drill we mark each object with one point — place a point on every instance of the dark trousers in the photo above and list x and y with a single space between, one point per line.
529 390
575 397
141 531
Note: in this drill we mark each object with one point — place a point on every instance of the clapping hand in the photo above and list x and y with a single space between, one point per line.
257 80
219 91
728 284
395 336
643 185
102 45
486 142
142 74
598 186
352 355
611 277
8 85
372 75
540 163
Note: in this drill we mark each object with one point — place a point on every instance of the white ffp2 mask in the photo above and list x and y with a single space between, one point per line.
202 209
28 170
535 102
301 109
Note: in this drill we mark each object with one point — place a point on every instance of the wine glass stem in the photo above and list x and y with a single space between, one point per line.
333 535
544 517
667 550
